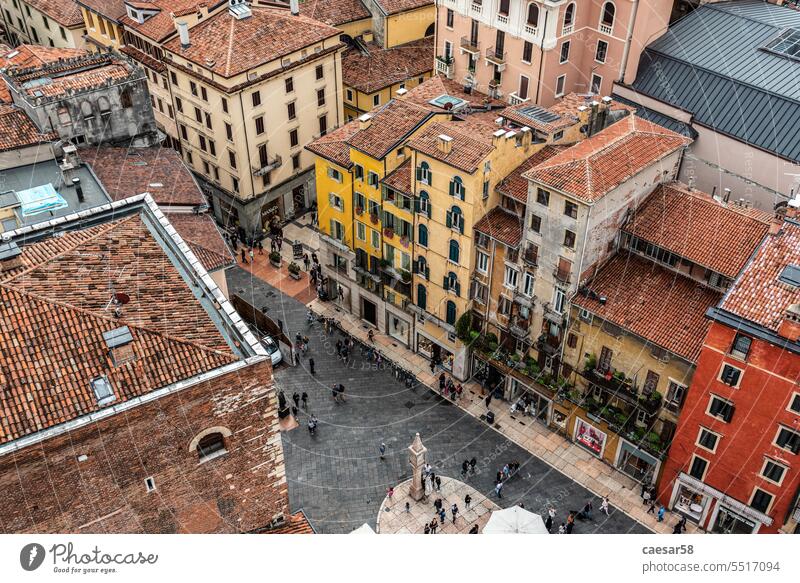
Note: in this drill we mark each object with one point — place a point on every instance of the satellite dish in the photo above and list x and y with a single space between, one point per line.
122 298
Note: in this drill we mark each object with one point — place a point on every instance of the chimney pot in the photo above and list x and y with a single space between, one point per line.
445 143
294 6
183 31
364 121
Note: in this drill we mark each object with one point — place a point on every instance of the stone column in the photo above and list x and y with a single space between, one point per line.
416 457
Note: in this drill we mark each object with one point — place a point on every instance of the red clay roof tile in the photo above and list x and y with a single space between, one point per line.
501 225
381 68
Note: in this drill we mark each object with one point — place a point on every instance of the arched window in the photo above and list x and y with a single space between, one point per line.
430 30
424 204
104 105
422 296
455 219
424 173
504 7
451 312
455 251
86 110
422 237
609 10
457 188
451 283
422 267
125 99
569 15
533 14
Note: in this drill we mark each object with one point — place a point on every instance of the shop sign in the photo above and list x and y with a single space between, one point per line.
590 437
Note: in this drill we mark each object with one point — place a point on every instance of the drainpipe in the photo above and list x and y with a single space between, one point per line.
541 59
627 49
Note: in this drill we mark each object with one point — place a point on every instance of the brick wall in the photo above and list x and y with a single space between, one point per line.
46 489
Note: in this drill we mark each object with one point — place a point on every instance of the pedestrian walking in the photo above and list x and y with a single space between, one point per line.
548 523
306 261
604 505
464 468
382 449
311 366
499 477
427 528
570 523
408 507
474 529
244 257
438 484
562 529
467 500
437 505
498 489
389 494
252 256
652 508
454 511
645 495
335 392
294 412
442 515
661 512
488 400
314 258
472 463
680 526
304 399
339 348
644 489
434 526
371 336
433 365
341 392
260 248
459 390
551 512
442 381
296 399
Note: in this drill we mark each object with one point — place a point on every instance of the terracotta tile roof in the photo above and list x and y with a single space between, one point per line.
514 185
692 224
82 72
335 12
399 179
36 55
297 523
17 130
472 141
159 171
654 303
66 12
161 25
204 239
333 146
390 125
437 86
235 46
54 311
502 226
757 295
381 67
112 9
560 115
395 6
593 167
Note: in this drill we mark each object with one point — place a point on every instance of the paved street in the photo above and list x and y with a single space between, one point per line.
337 476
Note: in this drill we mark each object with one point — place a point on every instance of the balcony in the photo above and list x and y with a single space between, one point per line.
470 45
606 29
494 89
617 385
562 275
531 29
274 161
531 255
496 57
514 99
477 8
567 29
502 19
519 328
523 300
444 66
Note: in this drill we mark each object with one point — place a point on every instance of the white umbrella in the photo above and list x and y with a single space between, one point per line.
514 520
364 529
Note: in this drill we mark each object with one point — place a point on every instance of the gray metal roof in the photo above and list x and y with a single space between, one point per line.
661 119
712 64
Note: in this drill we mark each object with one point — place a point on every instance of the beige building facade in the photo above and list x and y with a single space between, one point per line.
50 23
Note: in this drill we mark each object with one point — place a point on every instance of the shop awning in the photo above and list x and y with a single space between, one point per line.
731 503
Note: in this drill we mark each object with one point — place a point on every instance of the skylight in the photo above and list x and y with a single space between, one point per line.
786 44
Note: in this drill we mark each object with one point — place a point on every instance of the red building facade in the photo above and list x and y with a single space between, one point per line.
734 463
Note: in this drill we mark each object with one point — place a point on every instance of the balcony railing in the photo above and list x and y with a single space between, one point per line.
520 329
502 19
495 56
561 275
444 65
470 45
606 29
530 29
623 389
531 255
514 99
477 8
567 29
273 162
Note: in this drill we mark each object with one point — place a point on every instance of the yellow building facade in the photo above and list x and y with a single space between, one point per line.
51 24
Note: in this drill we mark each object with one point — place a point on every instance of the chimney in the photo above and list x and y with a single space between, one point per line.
793 206
775 225
364 121
76 182
294 6
120 345
444 143
497 135
183 31
790 325
727 194
402 91
10 256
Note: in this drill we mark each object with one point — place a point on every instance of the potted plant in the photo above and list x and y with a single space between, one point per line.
591 363
373 218
294 270
359 210
275 258
405 276
388 232
404 241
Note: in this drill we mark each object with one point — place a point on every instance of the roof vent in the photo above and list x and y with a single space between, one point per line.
103 391
790 276
444 143
120 345
239 9
364 121
402 91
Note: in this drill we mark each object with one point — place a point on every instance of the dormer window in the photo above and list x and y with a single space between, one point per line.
103 392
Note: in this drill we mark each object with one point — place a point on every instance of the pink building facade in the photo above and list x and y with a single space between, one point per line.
537 51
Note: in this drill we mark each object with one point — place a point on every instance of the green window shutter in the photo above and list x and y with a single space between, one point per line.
452 188
449 219
444 283
458 289
419 173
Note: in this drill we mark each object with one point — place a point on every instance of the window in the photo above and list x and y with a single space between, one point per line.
536 223
422 296
291 111
289 83
482 262
293 139
455 219
337 230
349 95
597 82
478 292
320 97
455 251
361 231
794 403
206 168
698 467
259 125
527 284
184 133
571 209
193 88
232 159
511 277
601 52
569 239
296 162
730 375
179 104
449 18
527 52
424 204
559 301
607 19
319 72
707 439
235 184
203 93
761 500
224 104
189 158
451 312
561 82
542 197
569 16
174 78
103 392
372 179
323 125
720 408
376 239
533 15
198 115
150 484
376 100
773 471
564 52
211 446
741 346
504 306
585 315
788 439
202 140
485 189
457 188
424 173
336 202
422 236
334 174
650 383
208 121
572 340
60 29
229 130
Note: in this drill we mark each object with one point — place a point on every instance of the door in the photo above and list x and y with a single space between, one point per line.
523 87
473 34
500 43
369 312
298 199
